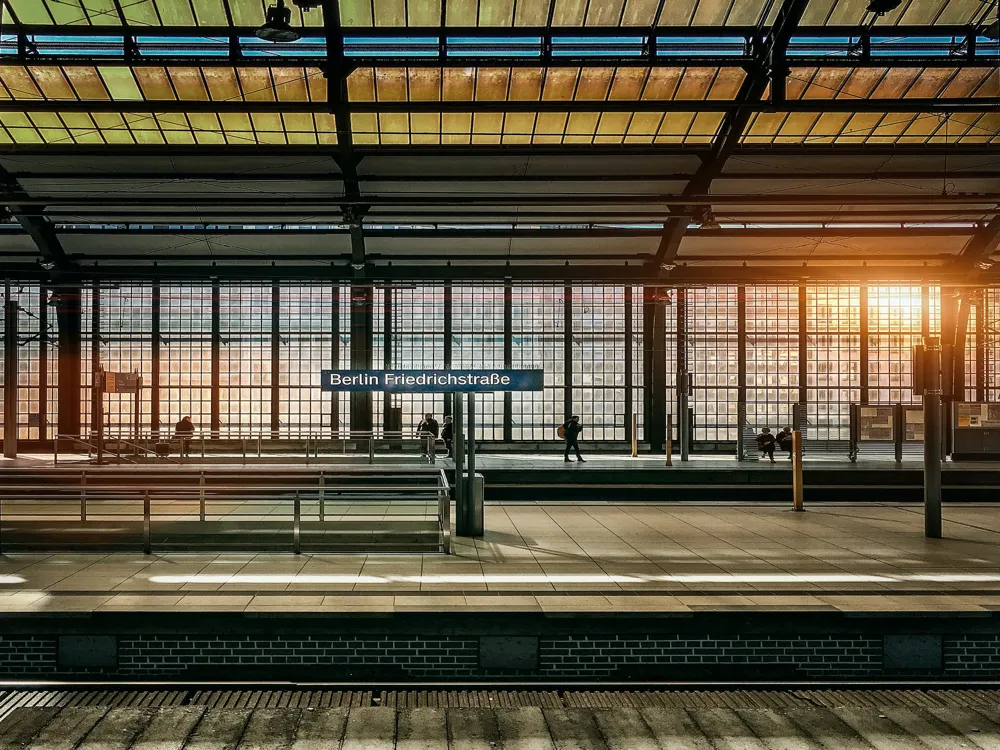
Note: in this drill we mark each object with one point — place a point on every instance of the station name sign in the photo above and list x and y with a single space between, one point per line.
432 381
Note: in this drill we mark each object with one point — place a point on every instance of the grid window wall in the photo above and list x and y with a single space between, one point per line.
598 348
307 315
185 354
991 343
29 343
477 343
895 326
126 346
245 358
538 343
833 359
416 341
772 355
713 360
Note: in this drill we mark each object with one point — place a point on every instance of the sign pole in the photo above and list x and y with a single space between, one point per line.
470 488
932 439
10 419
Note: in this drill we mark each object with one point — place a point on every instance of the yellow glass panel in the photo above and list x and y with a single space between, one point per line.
526 84
607 13
257 84
272 138
798 124
922 127
155 83
190 85
424 84
390 12
712 12
663 83
237 122
896 83
676 123
459 84
929 11
31 11
560 83
361 85
705 126
488 124
614 123
290 83
569 12
87 83
425 127
326 128
393 122
825 83
551 124
209 138
363 123
518 127
78 121
25 135
892 125
179 137
204 121
143 13
462 12
19 83
860 83
268 122
640 13
931 83
390 84
967 80
816 12
356 12
169 122
496 13
5 136
582 123
747 12
727 84
302 139
492 84
298 122
531 12
628 84
213 12
423 13
594 84
830 124
696 83
120 82
456 122
644 124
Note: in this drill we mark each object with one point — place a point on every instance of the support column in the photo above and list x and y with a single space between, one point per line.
629 407
932 439
508 358
69 318
655 323
43 363
684 426
387 339
96 404
275 360
741 367
803 352
215 418
154 365
362 334
335 357
981 345
448 339
10 419
863 357
567 351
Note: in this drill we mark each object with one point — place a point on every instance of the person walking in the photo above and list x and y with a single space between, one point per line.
766 443
571 434
428 427
184 431
448 435
784 440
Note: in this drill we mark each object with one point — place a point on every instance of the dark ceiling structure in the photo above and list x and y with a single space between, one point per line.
684 142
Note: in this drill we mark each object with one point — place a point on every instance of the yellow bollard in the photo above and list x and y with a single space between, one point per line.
797 470
635 439
670 448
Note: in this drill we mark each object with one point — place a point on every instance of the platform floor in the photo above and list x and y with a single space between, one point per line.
556 558
485 720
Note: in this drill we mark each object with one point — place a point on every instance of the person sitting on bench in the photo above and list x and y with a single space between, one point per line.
784 439
766 443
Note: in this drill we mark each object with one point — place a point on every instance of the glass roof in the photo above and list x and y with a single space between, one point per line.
768 128
892 83
496 13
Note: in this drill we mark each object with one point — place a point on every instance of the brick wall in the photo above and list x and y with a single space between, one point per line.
407 655
972 655
814 656
27 654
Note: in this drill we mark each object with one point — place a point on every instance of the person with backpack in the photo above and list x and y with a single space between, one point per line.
570 432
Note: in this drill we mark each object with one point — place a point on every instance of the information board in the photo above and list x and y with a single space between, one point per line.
876 423
977 415
121 382
433 381
913 424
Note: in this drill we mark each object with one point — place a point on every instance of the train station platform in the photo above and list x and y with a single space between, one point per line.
554 590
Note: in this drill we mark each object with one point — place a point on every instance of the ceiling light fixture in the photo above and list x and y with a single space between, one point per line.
277 26
881 7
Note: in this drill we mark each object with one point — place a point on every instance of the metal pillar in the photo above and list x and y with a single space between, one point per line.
567 351
95 355
741 368
215 411
657 375
362 335
69 318
797 486
10 420
449 304
863 335
388 340
275 360
43 363
334 359
684 425
630 421
932 439
459 451
508 358
154 356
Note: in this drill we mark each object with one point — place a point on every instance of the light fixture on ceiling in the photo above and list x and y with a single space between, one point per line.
277 26
706 219
984 265
881 7
307 4
992 31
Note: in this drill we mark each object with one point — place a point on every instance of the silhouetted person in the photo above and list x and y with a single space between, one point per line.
784 439
448 435
428 426
184 431
571 434
766 443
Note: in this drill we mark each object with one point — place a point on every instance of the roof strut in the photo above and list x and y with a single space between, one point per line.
768 66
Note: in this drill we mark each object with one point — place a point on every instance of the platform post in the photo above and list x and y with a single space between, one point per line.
10 419
897 431
932 439
797 471
201 496
669 441
635 438
683 385
459 450
146 544
296 525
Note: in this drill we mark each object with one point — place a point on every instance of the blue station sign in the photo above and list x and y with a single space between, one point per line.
432 381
